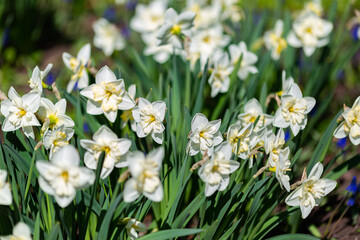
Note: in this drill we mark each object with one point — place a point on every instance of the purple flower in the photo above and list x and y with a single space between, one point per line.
86 128
341 143
354 32
287 135
351 201
50 78
131 5
353 188
110 14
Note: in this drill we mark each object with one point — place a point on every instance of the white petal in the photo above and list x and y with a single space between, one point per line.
198 121
155 196
293 198
329 185
104 132
105 74
130 194
305 211
279 121
67 155
340 131
316 171
210 189
160 108
158 137
224 183
84 54
64 201
93 108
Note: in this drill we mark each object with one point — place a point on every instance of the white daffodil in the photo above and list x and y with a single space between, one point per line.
174 27
107 37
274 145
21 231
133 226
206 42
220 74
283 166
57 138
104 140
145 175
241 139
126 116
231 10
5 190
293 110
311 191
78 67
351 124
309 32
206 15
313 6
148 117
274 41
248 59
286 82
53 116
148 18
204 135
62 176
215 172
36 80
107 95
253 110
20 112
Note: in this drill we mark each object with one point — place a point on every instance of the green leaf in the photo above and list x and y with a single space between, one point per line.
167 234
294 237
200 94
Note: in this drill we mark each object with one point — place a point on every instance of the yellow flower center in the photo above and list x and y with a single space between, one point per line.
308 30
176 29
206 39
151 119
252 119
65 176
53 121
21 113
291 109
107 149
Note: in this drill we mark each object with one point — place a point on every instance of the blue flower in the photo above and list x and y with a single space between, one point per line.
287 135
351 201
110 14
353 188
86 128
354 32
50 78
341 143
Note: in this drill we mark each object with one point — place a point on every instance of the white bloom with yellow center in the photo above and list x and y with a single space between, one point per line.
57 138
133 226
274 41
231 10
242 140
174 27
149 117
62 176
107 37
313 6
351 124
78 67
311 191
253 110
105 140
148 18
248 59
220 74
206 15
310 32
36 80
126 116
20 112
204 135
281 168
53 116
21 231
293 110
107 95
274 145
5 190
145 175
215 172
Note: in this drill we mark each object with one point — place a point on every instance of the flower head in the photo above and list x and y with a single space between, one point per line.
204 135
312 190
282 166
220 74
5 190
104 140
107 95
241 139
36 80
77 65
145 175
274 41
20 232
133 226
293 110
62 176
19 112
149 117
248 59
274 145
215 172
57 138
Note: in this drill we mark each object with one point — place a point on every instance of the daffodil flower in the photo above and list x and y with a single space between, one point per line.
204 135
174 27
36 80
253 110
293 110
53 115
21 231
104 140
274 41
55 139
107 37
20 112
62 176
148 117
148 18
311 191
248 59
126 116
351 124
281 167
206 15
160 53
78 67
215 172
134 226
220 74
145 175
107 95
274 145
309 32
5 190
